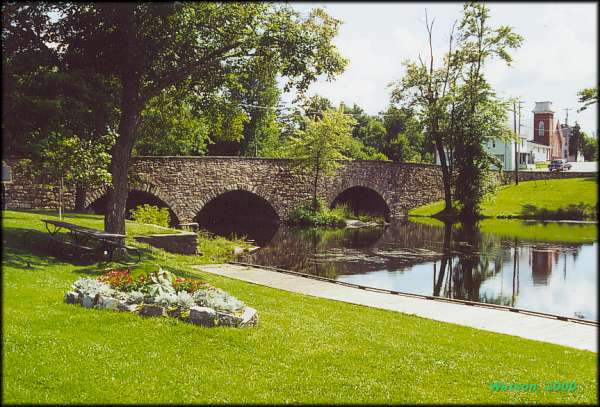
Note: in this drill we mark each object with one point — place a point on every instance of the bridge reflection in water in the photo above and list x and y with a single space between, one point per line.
453 262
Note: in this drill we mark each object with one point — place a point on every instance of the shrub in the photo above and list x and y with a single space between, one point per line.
151 214
580 211
323 216
91 287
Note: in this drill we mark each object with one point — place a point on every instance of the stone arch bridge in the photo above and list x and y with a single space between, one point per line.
188 184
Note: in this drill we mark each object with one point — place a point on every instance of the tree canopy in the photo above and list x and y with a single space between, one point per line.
456 105
147 48
321 144
587 96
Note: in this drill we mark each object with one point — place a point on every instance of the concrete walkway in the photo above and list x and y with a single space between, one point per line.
572 334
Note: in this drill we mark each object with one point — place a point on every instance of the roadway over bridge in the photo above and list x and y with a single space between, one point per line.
188 185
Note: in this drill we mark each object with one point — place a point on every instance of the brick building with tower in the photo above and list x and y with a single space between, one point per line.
563 140
546 131
547 140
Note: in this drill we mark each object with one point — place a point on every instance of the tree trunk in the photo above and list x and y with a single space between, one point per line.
114 222
444 263
80 194
446 178
60 198
315 184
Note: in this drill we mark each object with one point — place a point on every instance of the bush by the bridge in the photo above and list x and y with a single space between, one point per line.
322 217
151 214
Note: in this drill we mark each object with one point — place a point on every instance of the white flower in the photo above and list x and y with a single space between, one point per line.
91 287
184 300
219 299
165 299
135 297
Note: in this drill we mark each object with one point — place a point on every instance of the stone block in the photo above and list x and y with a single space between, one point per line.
203 316
149 310
123 306
228 319
249 317
87 301
107 303
181 243
72 297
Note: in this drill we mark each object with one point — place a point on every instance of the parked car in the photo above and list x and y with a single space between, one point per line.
559 165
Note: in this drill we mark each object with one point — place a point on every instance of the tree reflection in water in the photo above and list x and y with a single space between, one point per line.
454 261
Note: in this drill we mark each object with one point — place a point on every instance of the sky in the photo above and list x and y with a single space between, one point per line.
558 56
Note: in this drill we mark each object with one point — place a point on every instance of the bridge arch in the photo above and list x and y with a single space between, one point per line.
362 198
240 212
215 193
138 194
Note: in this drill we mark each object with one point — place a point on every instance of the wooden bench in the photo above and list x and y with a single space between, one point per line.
82 237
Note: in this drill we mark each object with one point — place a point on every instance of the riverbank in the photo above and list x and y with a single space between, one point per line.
305 349
557 199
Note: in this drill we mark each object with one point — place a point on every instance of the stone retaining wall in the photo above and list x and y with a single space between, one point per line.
181 243
508 177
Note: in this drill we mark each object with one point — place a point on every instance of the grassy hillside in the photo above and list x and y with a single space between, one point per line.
519 201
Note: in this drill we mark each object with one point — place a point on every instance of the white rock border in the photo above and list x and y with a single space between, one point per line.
203 316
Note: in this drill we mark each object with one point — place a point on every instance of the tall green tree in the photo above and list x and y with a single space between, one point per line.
427 90
588 97
404 138
70 161
258 94
456 105
483 115
149 47
589 147
320 145
43 94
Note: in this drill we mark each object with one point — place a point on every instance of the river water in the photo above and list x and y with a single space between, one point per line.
549 268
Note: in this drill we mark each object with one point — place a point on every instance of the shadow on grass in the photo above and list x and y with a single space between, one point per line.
580 211
54 213
31 248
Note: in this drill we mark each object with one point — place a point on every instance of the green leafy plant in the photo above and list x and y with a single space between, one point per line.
322 216
151 214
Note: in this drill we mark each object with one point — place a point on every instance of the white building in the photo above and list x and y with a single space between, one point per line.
529 153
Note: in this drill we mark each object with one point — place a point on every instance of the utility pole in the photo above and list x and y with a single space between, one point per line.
567 117
516 143
518 134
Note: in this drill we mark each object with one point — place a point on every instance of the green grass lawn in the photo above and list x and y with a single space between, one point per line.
305 349
87 220
510 200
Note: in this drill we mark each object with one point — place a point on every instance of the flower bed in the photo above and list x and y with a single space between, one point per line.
160 293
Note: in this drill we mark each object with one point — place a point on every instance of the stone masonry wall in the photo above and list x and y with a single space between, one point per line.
508 177
182 243
186 184
25 193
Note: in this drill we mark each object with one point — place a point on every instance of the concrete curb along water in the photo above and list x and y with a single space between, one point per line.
427 297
